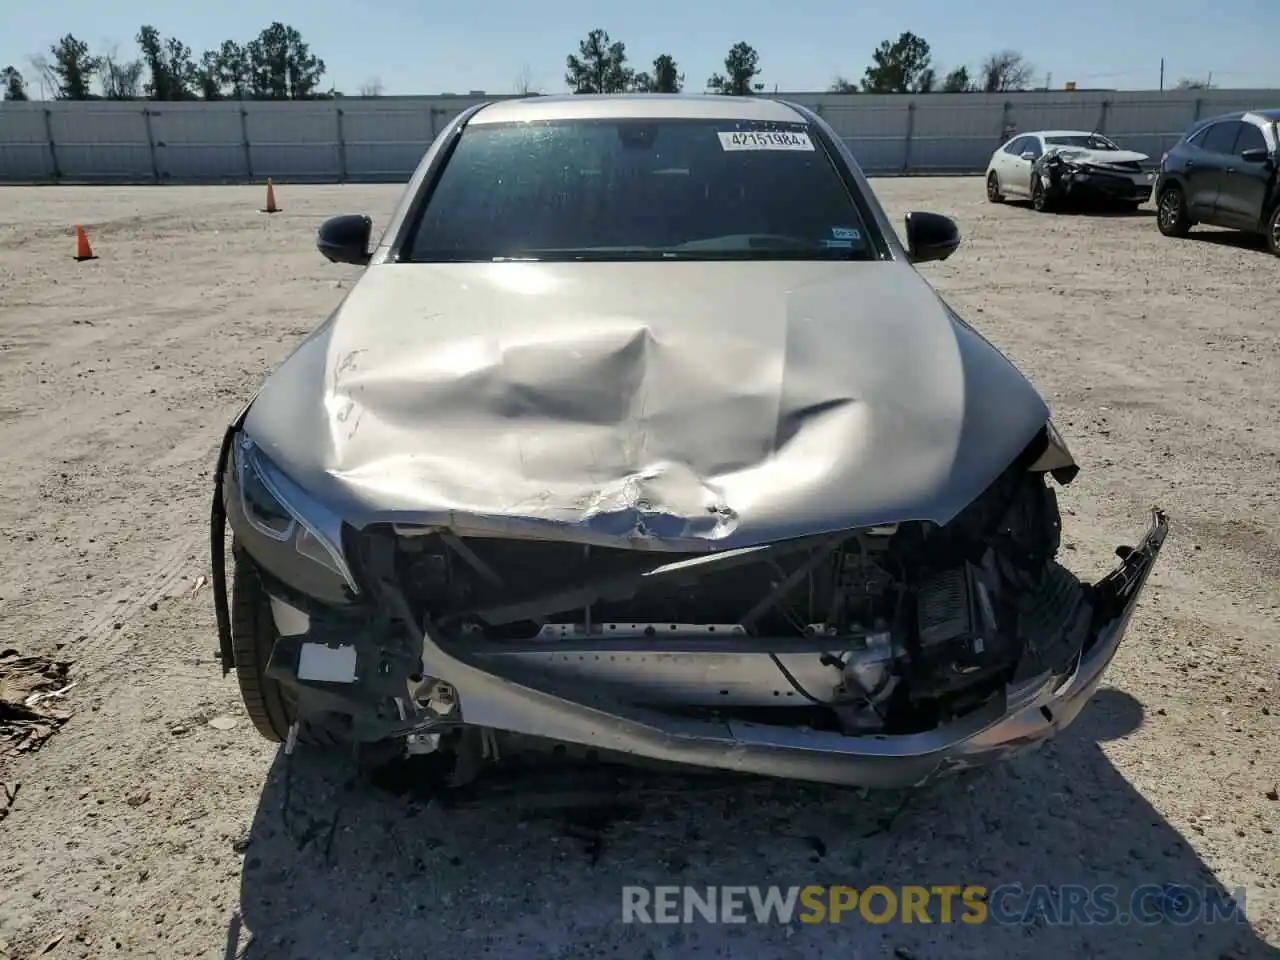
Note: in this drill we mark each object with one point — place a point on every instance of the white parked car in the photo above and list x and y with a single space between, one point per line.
1051 167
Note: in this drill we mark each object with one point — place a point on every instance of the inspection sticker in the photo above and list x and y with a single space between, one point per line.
846 233
766 140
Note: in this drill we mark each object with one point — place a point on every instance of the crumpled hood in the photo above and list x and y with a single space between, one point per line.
672 405
1102 157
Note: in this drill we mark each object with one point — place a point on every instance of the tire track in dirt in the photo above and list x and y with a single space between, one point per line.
102 635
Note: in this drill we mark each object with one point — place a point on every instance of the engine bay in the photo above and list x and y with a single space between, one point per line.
883 630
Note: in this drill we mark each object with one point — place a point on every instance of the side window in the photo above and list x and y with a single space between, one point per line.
1015 146
1198 139
1250 138
1024 144
1221 137
1035 146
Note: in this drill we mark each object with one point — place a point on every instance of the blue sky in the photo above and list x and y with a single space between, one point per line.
419 46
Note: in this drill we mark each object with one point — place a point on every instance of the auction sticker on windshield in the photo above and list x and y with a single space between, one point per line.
766 140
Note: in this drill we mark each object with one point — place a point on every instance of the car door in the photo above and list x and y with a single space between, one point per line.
1020 167
1004 164
1244 184
1203 167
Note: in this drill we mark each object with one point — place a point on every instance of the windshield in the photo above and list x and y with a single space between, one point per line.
639 189
1090 141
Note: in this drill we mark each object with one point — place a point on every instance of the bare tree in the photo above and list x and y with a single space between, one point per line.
1005 71
46 76
524 85
120 79
371 88
1190 83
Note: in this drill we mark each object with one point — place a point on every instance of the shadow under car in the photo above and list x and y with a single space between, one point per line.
530 860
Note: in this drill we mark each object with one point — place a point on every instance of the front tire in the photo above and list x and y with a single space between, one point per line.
1039 196
253 634
993 188
1171 212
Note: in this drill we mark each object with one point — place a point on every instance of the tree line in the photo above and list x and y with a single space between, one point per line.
898 66
906 65
276 65
601 66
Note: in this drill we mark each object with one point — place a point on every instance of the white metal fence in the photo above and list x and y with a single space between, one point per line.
382 138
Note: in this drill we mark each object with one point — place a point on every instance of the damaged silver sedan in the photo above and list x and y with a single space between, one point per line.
640 433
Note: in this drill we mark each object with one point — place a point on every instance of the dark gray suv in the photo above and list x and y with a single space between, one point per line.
1224 172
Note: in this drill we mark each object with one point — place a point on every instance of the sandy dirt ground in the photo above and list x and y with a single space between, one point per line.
157 824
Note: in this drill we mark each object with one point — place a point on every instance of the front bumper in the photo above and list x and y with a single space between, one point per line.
1099 185
1019 720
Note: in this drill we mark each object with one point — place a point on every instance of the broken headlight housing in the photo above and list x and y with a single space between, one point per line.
292 536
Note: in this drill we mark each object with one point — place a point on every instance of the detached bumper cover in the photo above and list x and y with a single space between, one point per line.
1022 718
1067 182
1113 186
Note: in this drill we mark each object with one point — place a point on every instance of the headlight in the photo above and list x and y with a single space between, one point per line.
277 509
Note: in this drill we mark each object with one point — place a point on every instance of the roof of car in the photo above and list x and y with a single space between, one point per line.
1268 115
640 106
1064 133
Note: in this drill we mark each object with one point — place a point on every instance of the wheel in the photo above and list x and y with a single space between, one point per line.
1039 196
253 634
1171 215
1273 231
993 188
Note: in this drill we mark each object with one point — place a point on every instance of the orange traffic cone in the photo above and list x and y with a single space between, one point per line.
83 250
271 199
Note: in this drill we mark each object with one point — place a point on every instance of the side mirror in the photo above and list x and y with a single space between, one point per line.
345 239
931 236
1028 155
1256 155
